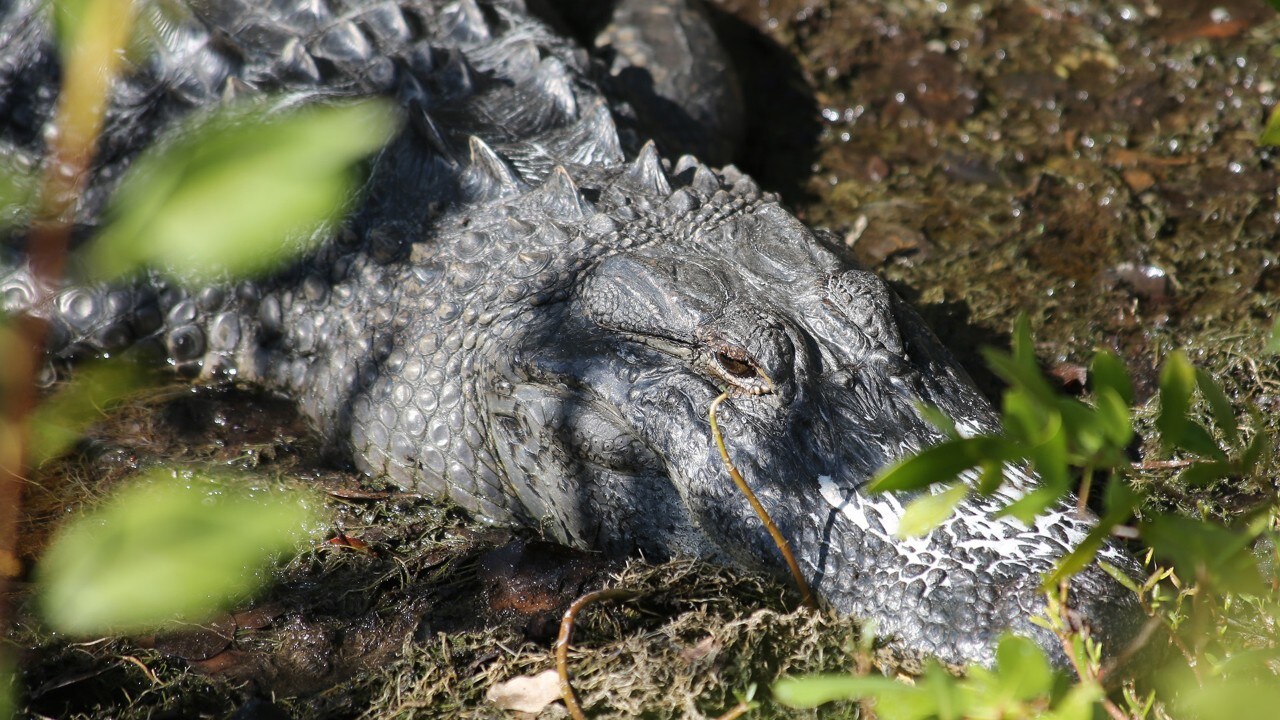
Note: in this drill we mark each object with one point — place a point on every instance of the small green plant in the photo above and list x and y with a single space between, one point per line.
1213 573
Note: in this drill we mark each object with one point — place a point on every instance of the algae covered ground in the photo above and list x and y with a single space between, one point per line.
1094 165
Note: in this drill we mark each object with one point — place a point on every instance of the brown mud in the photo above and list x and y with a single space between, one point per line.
1091 164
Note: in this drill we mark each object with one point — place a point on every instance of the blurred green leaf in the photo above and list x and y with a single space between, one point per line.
238 192
1030 505
167 549
1203 473
1201 550
928 511
1112 418
1108 372
1050 459
814 690
1021 376
8 690
68 21
1229 699
62 419
1077 704
1224 416
1079 558
1026 420
17 192
1273 343
1258 448
1197 439
991 477
938 419
938 463
1271 133
1023 669
1177 380
1120 576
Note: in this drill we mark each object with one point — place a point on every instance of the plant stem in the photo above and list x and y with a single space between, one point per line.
784 547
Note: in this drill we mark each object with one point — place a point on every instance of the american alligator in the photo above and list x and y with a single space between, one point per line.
531 309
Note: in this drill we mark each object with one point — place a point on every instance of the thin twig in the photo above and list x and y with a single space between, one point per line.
783 546
1086 484
1163 464
736 711
566 635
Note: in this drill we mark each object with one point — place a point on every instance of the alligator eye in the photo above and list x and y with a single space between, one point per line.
735 367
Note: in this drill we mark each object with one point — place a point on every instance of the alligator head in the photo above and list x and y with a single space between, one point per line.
601 420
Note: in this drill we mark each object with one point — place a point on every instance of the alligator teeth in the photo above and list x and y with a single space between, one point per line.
561 199
489 176
646 172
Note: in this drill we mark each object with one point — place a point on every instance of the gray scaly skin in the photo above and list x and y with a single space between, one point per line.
530 313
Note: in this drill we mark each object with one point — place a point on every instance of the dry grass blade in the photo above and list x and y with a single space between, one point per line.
783 546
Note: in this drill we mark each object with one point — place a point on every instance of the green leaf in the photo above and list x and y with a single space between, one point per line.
1108 372
1112 417
168 548
938 463
17 192
1050 459
1259 447
1078 558
1229 699
62 419
1177 380
814 690
1027 420
1120 576
1197 439
1271 133
1200 550
1024 672
1224 415
68 20
1029 506
1203 473
1021 376
1273 343
938 419
991 477
239 192
1078 703
928 511
8 690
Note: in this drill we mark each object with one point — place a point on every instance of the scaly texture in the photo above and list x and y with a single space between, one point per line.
522 319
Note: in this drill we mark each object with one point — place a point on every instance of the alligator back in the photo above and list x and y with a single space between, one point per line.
493 101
